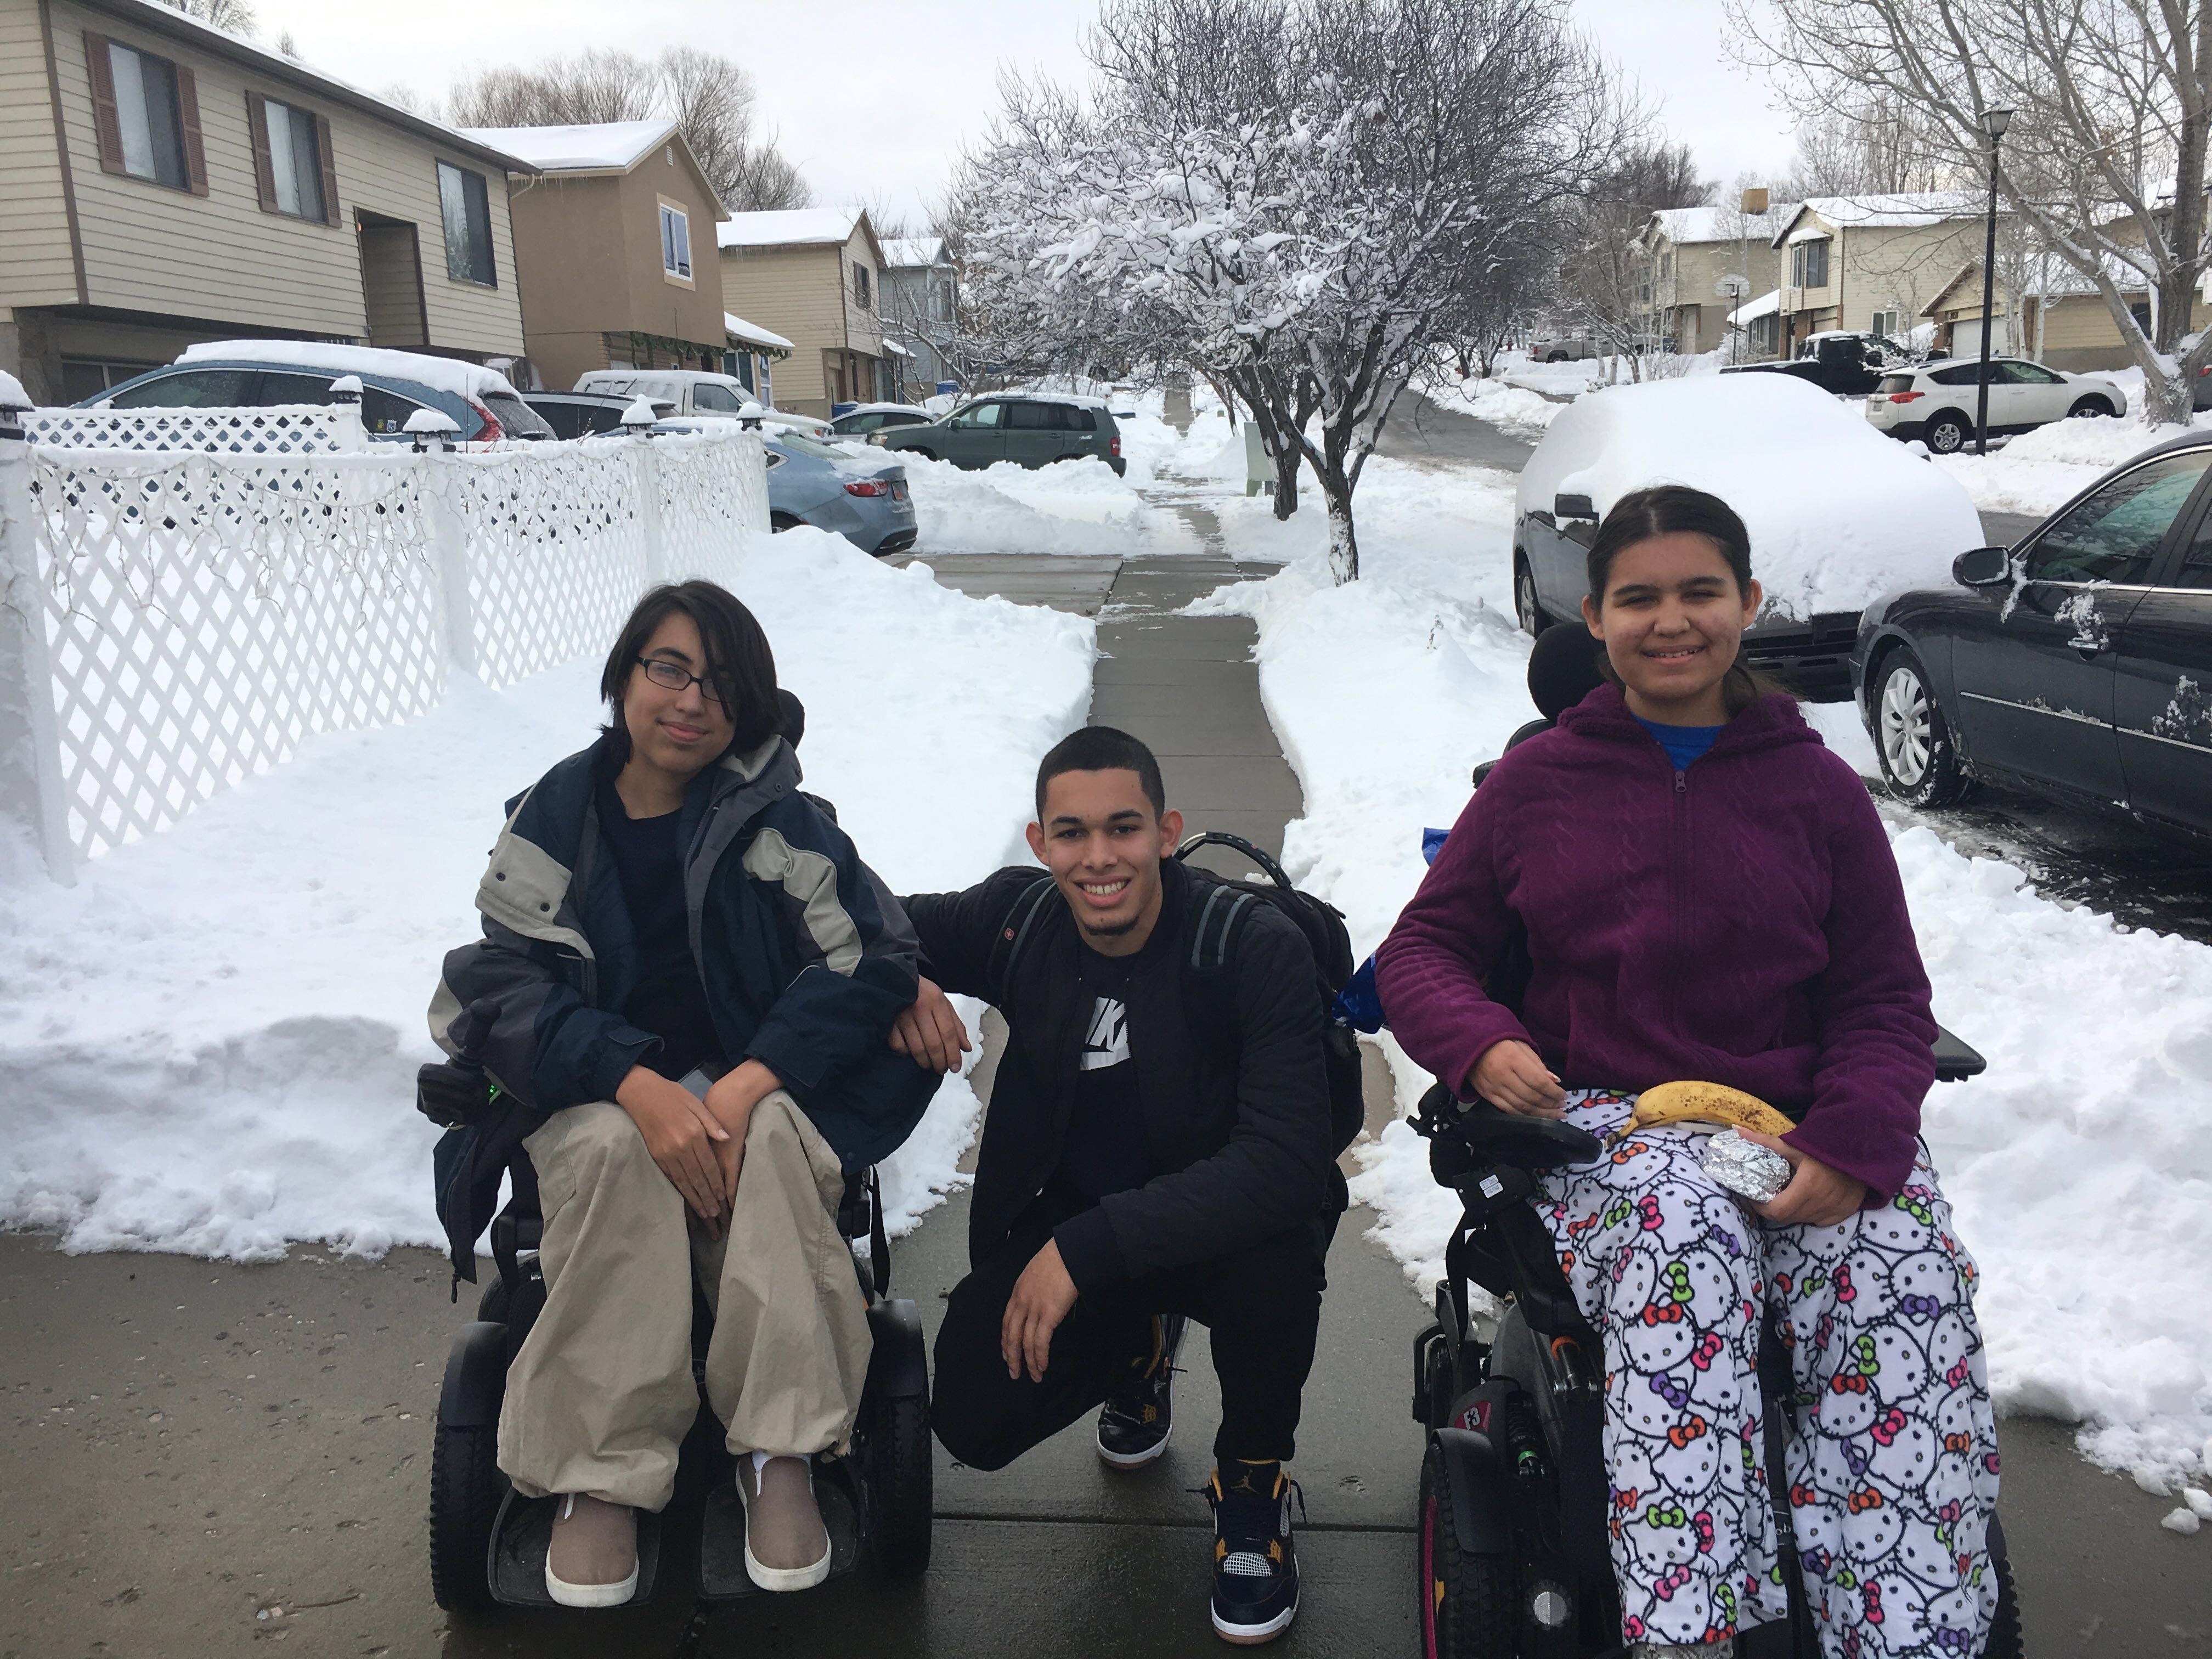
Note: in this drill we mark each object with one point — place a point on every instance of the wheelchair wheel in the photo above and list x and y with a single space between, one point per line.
900 1475
465 1489
1469 1609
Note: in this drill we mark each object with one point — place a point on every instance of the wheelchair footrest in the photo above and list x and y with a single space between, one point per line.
520 1537
722 1575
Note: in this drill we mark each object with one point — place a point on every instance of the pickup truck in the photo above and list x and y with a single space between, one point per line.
1848 365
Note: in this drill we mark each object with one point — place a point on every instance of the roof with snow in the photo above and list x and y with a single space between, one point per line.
1751 310
1911 210
914 250
602 147
790 227
752 333
1717 223
157 19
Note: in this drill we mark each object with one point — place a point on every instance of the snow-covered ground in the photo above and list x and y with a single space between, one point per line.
1510 408
2040 472
2079 1164
209 1044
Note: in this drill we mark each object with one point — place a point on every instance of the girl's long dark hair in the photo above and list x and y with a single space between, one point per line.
739 665
1665 509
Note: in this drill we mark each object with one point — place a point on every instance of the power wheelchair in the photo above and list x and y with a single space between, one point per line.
488 1542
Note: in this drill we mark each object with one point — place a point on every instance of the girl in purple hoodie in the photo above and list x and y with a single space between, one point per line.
1708 893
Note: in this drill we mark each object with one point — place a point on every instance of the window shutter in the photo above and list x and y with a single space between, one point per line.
330 169
105 126
265 170
188 117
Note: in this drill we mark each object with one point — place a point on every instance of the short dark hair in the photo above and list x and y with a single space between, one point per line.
739 665
1103 749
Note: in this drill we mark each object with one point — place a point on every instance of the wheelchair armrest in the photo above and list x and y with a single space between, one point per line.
1954 1060
1481 1133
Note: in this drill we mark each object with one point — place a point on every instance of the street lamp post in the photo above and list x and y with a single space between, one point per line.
1993 122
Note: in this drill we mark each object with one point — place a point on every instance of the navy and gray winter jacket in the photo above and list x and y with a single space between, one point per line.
805 957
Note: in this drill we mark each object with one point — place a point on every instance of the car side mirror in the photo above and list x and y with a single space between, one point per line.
1565 508
1984 567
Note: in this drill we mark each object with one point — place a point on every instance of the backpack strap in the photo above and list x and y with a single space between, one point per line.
1013 934
1224 906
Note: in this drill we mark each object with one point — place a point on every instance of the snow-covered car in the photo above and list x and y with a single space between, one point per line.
1836 513
1936 402
394 384
2076 662
864 499
871 417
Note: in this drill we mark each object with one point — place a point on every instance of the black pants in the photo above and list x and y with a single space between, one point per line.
1261 1303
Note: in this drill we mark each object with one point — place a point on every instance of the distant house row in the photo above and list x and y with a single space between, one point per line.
1885 265
164 182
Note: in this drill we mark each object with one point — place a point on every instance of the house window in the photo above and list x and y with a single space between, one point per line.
675 242
1808 265
295 160
146 117
465 206
2141 314
1885 324
860 286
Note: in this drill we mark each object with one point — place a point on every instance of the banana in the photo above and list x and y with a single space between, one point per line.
1706 1107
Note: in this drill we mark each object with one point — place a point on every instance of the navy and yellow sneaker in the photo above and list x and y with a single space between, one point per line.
1256 1564
1134 1423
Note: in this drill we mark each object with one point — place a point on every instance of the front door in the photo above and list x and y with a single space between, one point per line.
2163 694
2035 677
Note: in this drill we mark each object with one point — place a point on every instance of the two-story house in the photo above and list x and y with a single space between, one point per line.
921 301
1872 263
1690 253
813 276
164 182
614 243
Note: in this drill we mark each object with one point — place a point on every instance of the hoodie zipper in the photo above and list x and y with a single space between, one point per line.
1680 873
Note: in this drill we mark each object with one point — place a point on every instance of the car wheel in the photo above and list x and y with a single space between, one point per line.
926 454
1528 609
1911 738
778 522
2085 407
1948 434
1557 357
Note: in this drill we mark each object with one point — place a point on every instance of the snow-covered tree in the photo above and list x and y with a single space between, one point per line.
1287 195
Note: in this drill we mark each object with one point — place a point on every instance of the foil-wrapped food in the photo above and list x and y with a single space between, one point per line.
1746 1168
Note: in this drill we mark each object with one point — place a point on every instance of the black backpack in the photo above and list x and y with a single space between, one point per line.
1212 936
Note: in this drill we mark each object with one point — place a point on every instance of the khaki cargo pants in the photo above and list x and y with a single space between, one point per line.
601 1395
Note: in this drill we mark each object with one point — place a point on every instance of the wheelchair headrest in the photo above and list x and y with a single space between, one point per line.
1563 669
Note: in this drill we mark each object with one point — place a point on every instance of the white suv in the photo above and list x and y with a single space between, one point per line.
1936 402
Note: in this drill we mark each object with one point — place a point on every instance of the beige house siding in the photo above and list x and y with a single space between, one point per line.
1874 268
864 329
221 258
799 293
36 265
1696 314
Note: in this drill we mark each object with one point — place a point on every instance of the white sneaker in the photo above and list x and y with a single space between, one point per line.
786 1546
591 1561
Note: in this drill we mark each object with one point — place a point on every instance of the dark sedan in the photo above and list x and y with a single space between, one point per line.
2077 664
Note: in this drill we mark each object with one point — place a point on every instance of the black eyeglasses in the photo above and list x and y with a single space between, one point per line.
674 676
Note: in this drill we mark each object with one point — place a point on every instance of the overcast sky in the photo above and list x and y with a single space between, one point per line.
874 98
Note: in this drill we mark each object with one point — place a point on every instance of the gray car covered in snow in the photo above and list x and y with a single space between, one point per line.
863 498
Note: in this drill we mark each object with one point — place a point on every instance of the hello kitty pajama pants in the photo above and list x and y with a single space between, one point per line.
1892 1467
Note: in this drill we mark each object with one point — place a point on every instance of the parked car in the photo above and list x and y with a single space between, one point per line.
1848 365
1936 403
694 393
2077 663
1011 426
870 418
1560 349
859 497
262 374
581 413
1837 514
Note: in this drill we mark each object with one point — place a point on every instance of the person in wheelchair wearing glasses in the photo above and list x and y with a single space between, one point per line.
1707 894
689 977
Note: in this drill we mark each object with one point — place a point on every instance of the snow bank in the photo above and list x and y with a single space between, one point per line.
1837 512
209 1045
2080 1165
2040 472
441 373
1072 506
1508 407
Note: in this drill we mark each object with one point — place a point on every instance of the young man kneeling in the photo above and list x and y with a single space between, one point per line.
1158 1148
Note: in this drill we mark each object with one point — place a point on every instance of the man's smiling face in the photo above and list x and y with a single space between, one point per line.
1103 844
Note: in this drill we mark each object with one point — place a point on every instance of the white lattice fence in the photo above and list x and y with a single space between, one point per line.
288 429
204 613
175 620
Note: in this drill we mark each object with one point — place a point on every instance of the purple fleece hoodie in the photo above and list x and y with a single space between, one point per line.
1740 921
